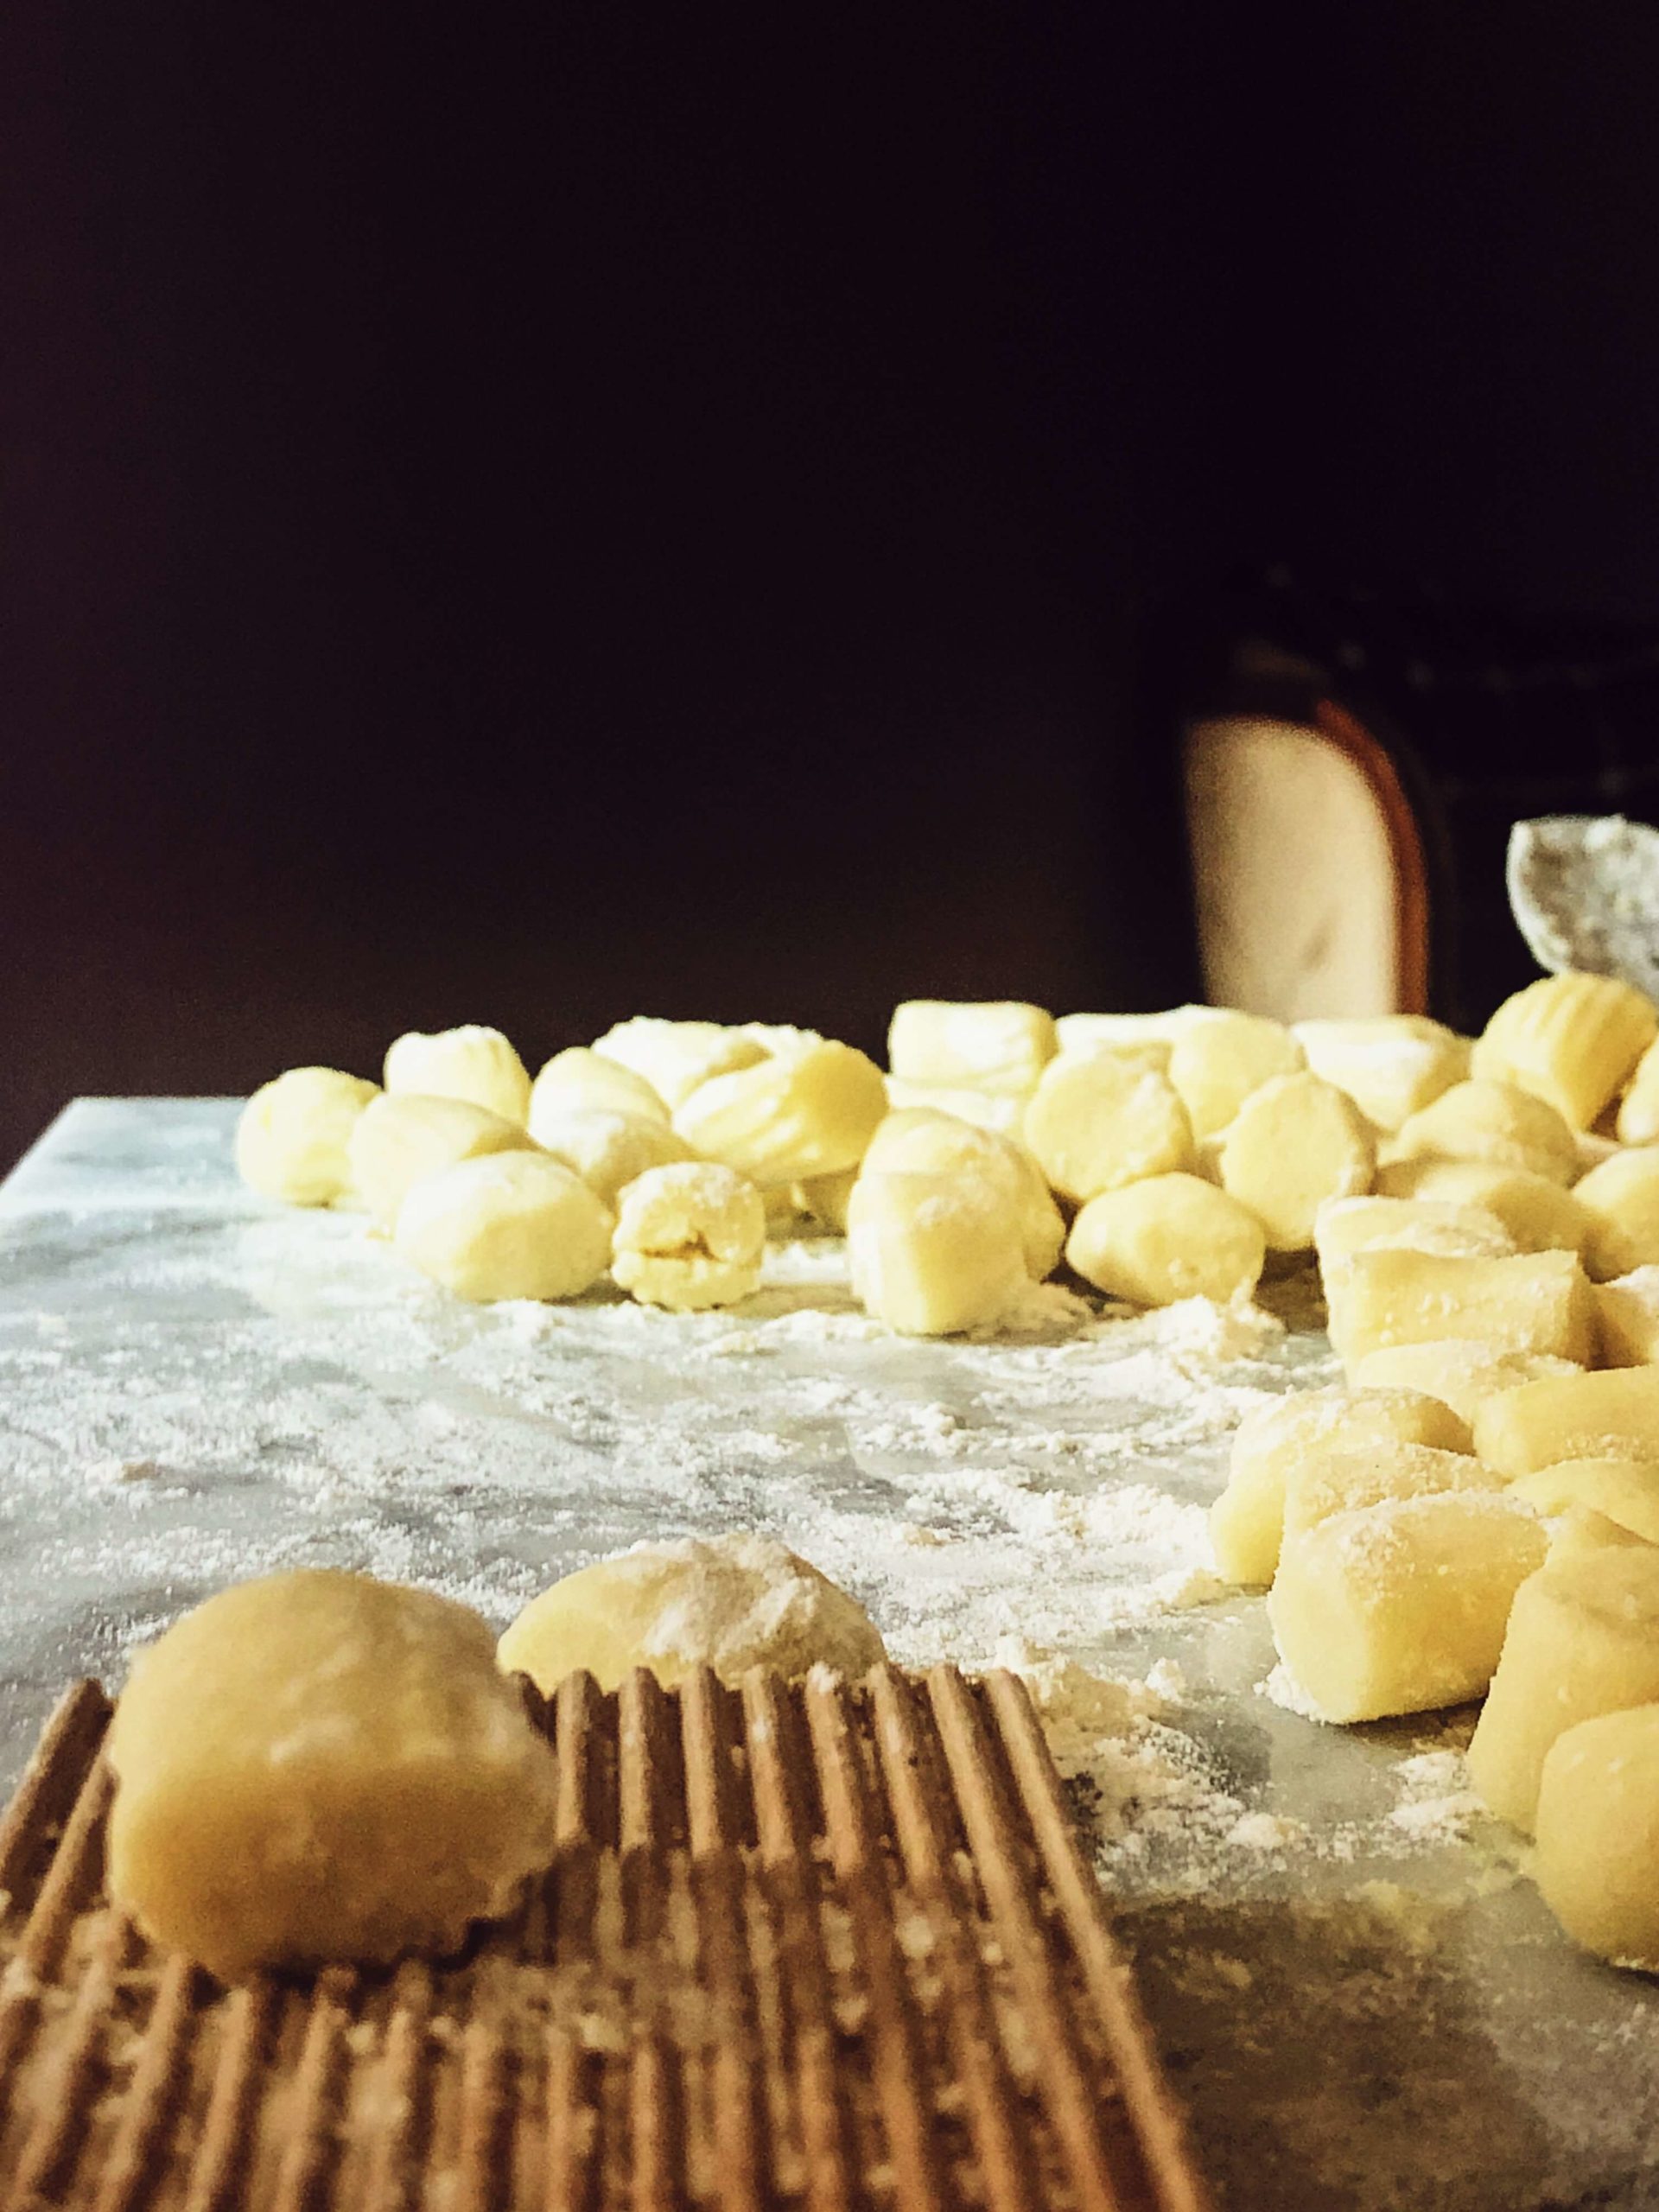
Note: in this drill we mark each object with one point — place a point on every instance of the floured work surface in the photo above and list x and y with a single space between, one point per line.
1363 2004
824 1947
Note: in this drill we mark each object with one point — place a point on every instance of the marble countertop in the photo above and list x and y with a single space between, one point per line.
1360 1996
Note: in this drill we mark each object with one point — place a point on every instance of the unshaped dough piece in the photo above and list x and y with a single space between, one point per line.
317 1766
916 1139
1497 1122
675 1057
1462 1373
730 1603
1400 1607
1598 1836
581 1079
1344 1226
1535 1302
398 1141
932 1255
1622 1490
1169 1237
1098 1121
1638 1110
1247 1521
1539 1214
1611 1415
1583 1638
512 1224
792 1115
606 1150
1627 1319
1621 1199
1344 1482
1391 1065
689 1236
471 1063
1293 1144
1571 1039
991 1045
1215 1064
292 1139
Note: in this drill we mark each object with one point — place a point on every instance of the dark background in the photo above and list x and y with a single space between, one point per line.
542 514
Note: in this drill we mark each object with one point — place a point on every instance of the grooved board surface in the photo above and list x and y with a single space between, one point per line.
799 1945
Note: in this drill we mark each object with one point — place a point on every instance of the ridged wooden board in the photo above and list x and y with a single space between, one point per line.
804 1946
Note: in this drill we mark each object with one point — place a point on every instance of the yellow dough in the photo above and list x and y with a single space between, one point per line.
790 1116
1621 1199
1573 1039
1169 1237
994 1044
1344 1226
689 1236
933 1254
318 1766
1400 1607
471 1063
1462 1373
730 1603
1216 1063
587 1082
1002 1112
398 1141
1247 1521
1496 1122
606 1150
1293 1144
1638 1110
1611 1415
1539 1214
1535 1302
1391 1065
1098 1121
512 1224
916 1140
292 1139
1583 1639
1623 1491
1150 1035
1598 1834
824 1198
675 1057
1627 1319
1344 1482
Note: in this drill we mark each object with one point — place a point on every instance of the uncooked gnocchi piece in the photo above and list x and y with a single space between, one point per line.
512 1224
1638 1110
1611 1415
689 1236
790 1116
992 1045
1099 1120
1573 1039
1216 1063
1460 1371
471 1063
1293 1144
1583 1639
913 1139
1621 1199
1391 1065
675 1057
1497 1122
587 1082
1539 1214
730 1603
1153 1034
1002 1112
320 1767
1400 1607
1598 1836
1627 1319
824 1198
1347 1481
1344 1226
606 1150
1166 1238
399 1140
1625 1492
1535 1302
292 1139
933 1254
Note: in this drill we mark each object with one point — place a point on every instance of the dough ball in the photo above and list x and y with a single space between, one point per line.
1002 1112
675 1057
1391 1065
471 1063
914 1139
1098 1121
1497 1122
1621 1199
690 1236
291 1142
730 1603
318 1766
514 1224
1169 1237
1539 1214
1598 1836
932 1255
606 1150
1154 1034
1571 1040
1215 1064
399 1140
587 1082
790 1116
1535 1302
1613 1415
1293 1144
993 1044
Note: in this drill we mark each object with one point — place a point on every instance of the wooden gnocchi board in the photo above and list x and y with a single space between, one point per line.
807 1946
